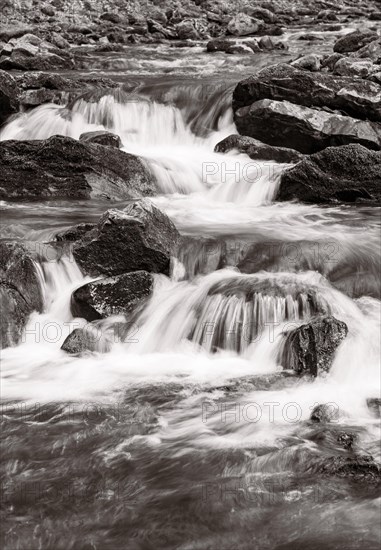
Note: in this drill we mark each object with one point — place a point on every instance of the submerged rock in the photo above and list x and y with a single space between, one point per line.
282 82
310 349
62 167
345 174
302 128
9 92
139 237
102 138
20 290
256 149
111 296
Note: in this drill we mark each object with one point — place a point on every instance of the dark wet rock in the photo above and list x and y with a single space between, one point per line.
9 92
186 30
346 440
375 16
310 349
310 37
36 60
16 31
325 413
354 41
256 149
117 295
108 139
360 99
139 237
305 129
345 174
20 290
62 167
331 60
357 468
74 233
88 339
374 405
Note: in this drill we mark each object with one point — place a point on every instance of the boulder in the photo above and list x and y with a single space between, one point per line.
307 130
257 150
308 63
374 406
310 349
361 68
370 51
90 338
30 58
20 290
186 30
9 92
100 137
354 41
243 25
118 295
62 167
360 99
262 13
325 413
139 237
345 173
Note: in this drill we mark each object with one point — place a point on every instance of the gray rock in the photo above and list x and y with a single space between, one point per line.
353 41
62 167
88 339
307 130
243 25
310 349
117 295
100 137
20 290
140 237
308 63
360 99
9 92
256 149
361 68
343 174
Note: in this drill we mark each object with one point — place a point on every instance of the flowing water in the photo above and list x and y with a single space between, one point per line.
188 433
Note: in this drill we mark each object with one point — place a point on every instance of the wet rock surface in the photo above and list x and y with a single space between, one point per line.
117 295
310 349
20 290
346 174
9 92
256 149
62 167
139 237
302 128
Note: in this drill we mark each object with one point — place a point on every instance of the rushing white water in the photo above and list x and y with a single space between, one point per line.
217 326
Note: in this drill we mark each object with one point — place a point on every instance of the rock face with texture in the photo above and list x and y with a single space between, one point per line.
360 99
242 25
302 128
90 338
102 138
8 96
353 41
310 349
345 173
112 295
140 237
20 291
257 150
62 167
